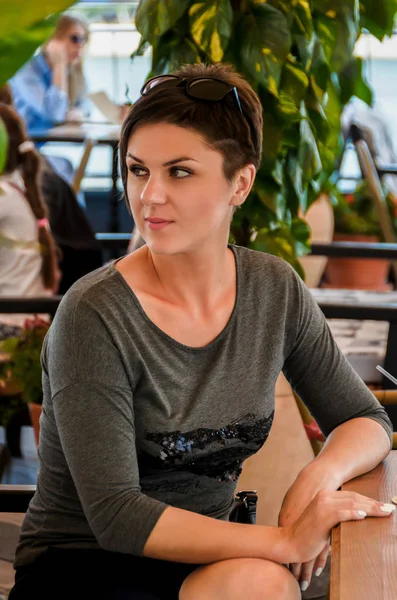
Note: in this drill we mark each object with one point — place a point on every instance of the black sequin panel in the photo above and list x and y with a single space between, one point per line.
216 453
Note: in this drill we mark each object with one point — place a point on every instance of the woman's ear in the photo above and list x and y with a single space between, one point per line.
242 184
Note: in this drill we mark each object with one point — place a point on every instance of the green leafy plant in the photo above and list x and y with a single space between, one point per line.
355 214
298 56
22 370
24 26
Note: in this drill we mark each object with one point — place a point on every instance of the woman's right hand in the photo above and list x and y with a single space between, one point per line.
309 534
56 52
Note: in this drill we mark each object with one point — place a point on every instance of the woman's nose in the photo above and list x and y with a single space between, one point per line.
153 193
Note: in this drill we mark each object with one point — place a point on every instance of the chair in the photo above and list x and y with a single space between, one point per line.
14 500
79 175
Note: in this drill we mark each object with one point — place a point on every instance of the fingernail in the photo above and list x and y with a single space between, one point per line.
318 572
304 585
388 508
362 513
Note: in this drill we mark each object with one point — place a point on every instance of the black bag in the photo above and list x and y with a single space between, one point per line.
244 509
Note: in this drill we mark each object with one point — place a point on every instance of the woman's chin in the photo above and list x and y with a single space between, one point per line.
164 247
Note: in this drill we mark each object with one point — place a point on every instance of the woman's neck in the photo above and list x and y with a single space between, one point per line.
195 280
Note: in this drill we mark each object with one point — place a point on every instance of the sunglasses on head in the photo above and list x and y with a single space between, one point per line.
200 88
78 39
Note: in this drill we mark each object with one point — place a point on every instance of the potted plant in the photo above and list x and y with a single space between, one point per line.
298 56
21 371
356 220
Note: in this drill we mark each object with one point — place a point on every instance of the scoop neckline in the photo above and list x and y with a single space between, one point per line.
170 339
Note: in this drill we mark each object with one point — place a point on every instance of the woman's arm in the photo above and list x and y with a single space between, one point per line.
40 105
363 441
357 427
184 536
353 448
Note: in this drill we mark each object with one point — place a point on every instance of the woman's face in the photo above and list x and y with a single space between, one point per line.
176 188
75 39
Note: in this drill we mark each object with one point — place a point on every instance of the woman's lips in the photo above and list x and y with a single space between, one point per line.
157 223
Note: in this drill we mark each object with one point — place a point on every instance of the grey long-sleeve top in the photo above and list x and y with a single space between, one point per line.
134 421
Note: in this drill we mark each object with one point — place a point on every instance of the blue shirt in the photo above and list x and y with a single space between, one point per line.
40 103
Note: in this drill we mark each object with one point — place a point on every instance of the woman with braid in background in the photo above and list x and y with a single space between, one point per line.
28 260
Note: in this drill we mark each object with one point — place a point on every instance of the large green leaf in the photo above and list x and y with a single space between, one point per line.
315 110
309 157
183 52
211 26
326 32
278 242
3 145
294 82
265 44
378 17
19 15
300 231
347 32
171 51
303 18
155 17
320 70
335 7
17 49
272 141
270 194
352 83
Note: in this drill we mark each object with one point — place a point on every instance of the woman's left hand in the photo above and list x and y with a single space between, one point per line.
299 495
75 115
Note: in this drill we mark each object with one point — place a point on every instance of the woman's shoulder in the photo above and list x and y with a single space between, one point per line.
94 290
262 263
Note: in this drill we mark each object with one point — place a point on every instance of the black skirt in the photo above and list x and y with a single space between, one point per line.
66 574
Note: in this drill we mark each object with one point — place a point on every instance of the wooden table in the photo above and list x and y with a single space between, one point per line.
364 553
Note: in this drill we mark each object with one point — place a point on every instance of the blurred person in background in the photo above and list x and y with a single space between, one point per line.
70 226
51 89
28 254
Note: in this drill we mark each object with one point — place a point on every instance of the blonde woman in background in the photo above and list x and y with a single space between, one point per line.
51 89
51 86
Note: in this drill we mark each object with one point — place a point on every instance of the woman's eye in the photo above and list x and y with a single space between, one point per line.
180 173
137 171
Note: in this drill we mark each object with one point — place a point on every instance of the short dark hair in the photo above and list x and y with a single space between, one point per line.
237 137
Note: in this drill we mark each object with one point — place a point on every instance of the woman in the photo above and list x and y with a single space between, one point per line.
28 263
51 89
159 373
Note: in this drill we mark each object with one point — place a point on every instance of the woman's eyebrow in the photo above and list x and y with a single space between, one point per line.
177 160
169 163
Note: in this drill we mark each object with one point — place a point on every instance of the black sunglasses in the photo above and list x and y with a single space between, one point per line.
78 39
200 88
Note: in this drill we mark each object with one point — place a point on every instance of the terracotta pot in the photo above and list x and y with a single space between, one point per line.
35 411
357 273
